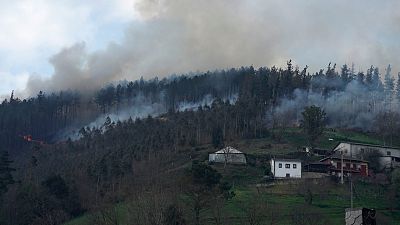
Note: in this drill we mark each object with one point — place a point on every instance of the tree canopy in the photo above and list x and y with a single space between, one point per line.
313 122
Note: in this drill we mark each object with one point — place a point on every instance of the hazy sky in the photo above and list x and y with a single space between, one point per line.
51 45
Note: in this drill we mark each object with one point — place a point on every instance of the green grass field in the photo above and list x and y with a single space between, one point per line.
282 202
285 202
293 139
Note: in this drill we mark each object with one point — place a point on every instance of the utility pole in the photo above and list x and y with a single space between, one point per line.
341 172
351 192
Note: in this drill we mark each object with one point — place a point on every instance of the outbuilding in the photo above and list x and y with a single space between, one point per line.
228 155
286 168
350 165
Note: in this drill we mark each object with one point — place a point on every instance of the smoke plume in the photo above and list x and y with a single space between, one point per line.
179 36
138 108
354 107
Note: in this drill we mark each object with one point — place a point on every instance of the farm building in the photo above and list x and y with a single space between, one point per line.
350 165
286 168
228 155
390 157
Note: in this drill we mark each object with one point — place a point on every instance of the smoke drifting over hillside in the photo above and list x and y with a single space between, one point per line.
354 107
140 107
177 36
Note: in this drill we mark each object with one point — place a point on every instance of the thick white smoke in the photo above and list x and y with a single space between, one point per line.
179 36
139 107
354 107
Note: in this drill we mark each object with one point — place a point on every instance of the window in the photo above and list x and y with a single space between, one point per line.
280 165
388 153
294 166
287 165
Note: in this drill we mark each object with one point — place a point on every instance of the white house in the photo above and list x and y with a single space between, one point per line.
228 155
390 157
286 168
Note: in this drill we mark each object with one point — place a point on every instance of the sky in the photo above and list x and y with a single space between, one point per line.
31 31
82 45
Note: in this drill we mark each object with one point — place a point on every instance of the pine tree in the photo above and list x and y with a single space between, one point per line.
376 80
345 74
360 77
398 87
368 77
6 177
389 81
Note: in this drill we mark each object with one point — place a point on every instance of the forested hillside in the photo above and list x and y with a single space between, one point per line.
140 137
46 115
52 117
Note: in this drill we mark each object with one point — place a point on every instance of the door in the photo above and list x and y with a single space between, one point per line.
363 170
288 175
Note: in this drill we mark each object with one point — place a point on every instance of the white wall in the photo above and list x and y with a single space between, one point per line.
230 158
281 172
355 150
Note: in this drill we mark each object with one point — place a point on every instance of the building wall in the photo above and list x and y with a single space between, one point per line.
230 158
281 172
354 217
355 150
360 166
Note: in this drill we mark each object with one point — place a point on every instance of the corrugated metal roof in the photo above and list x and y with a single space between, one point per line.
229 150
338 156
365 144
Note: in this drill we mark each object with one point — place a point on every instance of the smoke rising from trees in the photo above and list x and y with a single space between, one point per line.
177 36
355 106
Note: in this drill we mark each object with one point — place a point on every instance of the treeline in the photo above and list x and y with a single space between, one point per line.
257 89
46 114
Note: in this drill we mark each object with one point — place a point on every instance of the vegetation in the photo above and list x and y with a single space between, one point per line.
151 170
6 177
313 123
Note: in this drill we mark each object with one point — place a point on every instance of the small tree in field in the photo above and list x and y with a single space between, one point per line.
313 122
206 189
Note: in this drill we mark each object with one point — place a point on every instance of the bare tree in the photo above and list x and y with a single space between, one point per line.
227 151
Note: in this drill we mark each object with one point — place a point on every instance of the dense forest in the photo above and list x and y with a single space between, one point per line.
60 176
51 117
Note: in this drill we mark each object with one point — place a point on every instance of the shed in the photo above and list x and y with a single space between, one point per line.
228 155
